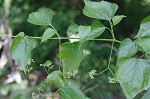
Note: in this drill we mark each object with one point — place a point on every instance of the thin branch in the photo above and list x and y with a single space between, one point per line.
112 47
55 29
67 38
103 71
141 56
110 59
59 40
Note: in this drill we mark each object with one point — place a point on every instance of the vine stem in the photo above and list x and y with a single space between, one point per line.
59 40
140 56
55 29
102 71
108 67
110 56
46 70
67 38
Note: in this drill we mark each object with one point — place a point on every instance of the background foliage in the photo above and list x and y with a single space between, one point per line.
97 54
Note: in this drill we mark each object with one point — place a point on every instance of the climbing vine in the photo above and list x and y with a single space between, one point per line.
132 71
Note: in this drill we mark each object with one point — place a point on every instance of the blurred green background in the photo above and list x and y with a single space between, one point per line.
97 53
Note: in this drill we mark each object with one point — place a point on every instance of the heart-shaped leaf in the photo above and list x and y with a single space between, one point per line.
72 29
48 34
91 32
56 78
127 48
96 30
100 10
71 54
133 75
41 17
84 31
71 90
144 44
116 19
144 28
21 48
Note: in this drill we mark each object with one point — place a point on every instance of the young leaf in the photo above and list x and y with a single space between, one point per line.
84 31
100 10
144 44
72 29
48 34
144 28
96 30
127 48
146 95
116 19
133 75
87 32
56 78
21 49
21 34
41 17
71 90
97 24
71 54
47 63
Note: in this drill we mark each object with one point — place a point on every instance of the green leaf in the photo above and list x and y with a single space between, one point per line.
71 90
48 34
71 54
97 24
133 75
144 28
96 30
100 10
116 19
41 17
127 48
21 34
55 78
72 29
144 44
21 50
47 63
84 31
146 95
88 32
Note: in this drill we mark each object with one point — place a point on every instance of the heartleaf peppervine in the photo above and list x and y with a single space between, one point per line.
131 72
